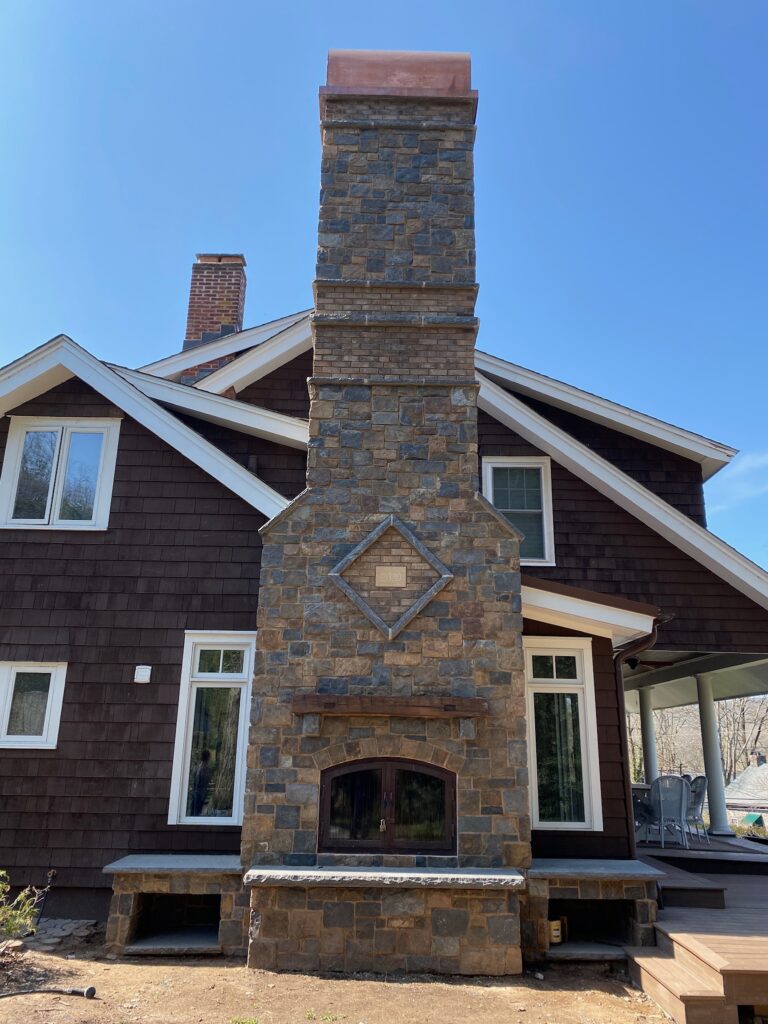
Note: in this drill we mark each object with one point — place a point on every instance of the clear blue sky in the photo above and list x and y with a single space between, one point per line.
622 186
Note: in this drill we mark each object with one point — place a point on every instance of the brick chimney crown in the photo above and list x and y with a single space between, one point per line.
216 297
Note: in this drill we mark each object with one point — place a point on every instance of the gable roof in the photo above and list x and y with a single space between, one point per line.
269 355
61 358
176 364
226 412
703 546
272 345
712 455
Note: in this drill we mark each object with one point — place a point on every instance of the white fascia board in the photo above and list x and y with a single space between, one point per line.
618 624
258 362
703 546
62 358
226 412
713 455
175 365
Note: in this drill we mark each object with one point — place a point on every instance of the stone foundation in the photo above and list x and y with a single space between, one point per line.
383 930
128 888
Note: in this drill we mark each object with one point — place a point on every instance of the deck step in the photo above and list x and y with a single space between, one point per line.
680 888
688 995
690 954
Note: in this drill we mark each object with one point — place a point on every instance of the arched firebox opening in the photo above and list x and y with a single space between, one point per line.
387 805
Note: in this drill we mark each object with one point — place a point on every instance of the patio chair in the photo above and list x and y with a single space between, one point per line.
670 798
695 815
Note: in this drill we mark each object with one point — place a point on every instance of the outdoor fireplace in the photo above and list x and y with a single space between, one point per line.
386 811
391 805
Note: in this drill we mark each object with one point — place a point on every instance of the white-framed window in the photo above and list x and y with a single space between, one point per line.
208 778
31 694
562 734
58 473
521 489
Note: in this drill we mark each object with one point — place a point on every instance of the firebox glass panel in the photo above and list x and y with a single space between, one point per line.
213 752
559 770
355 807
419 807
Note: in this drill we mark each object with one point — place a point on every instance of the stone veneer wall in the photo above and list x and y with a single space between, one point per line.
463 931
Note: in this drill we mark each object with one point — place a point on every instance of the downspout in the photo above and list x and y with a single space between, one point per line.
636 647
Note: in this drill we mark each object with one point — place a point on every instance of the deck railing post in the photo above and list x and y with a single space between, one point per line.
648 734
713 765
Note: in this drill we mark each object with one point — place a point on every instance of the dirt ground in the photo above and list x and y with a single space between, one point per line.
211 991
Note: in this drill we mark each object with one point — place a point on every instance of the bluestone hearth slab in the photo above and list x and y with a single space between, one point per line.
175 864
574 867
402 878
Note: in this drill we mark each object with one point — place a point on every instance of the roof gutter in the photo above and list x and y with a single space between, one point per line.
621 656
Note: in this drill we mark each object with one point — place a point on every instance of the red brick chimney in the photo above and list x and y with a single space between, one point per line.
216 297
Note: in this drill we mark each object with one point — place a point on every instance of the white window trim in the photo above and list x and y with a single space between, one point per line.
49 737
544 463
182 746
12 463
590 759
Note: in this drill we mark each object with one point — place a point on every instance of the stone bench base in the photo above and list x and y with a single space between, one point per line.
384 929
631 881
193 876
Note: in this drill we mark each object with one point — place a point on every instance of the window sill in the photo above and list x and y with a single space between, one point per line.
54 527
12 745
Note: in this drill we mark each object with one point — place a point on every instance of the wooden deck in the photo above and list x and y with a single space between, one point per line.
708 962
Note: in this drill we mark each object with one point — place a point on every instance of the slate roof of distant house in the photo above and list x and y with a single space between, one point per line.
750 789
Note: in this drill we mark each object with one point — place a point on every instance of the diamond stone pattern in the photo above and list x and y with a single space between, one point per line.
390 609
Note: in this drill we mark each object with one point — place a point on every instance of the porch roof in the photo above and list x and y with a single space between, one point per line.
671 677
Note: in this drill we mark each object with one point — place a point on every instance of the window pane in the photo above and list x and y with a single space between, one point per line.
565 666
209 661
543 666
558 757
531 524
29 703
35 472
211 783
419 806
81 476
517 488
232 661
355 811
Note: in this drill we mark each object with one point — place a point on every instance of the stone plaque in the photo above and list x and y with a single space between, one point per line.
391 576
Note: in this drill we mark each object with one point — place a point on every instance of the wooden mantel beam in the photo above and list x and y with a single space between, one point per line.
398 707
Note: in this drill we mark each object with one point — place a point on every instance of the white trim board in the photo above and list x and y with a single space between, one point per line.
703 546
227 412
712 455
584 688
618 624
541 462
62 358
175 365
259 361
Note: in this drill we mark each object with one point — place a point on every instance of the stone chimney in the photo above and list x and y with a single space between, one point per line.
216 297
389 620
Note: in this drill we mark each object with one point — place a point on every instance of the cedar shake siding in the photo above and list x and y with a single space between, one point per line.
601 547
284 390
614 840
672 477
181 552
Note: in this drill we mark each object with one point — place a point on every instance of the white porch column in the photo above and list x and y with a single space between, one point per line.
648 734
713 766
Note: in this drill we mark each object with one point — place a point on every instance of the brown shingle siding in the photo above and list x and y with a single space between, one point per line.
181 552
602 547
